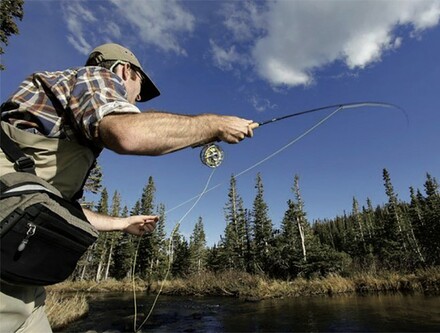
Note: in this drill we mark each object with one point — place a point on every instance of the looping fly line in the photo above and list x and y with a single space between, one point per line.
170 260
212 156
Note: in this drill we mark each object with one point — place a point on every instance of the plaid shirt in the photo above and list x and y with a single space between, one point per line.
90 92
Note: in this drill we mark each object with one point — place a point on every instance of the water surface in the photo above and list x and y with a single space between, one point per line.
349 313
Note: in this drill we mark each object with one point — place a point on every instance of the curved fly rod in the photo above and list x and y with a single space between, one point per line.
339 106
212 156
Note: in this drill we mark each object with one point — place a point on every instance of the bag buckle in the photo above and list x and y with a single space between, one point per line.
25 164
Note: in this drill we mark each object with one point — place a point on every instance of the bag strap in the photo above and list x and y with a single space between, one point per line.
80 137
22 162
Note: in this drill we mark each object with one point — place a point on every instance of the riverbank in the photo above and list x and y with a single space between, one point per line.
237 284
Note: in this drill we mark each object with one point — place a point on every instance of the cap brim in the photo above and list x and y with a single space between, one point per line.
148 88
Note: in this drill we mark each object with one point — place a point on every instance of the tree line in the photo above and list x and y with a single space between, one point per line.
395 236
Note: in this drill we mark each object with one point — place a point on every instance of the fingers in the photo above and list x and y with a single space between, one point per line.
247 130
150 223
150 218
141 224
252 126
236 129
147 228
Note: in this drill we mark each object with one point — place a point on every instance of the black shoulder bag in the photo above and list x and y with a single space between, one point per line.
42 234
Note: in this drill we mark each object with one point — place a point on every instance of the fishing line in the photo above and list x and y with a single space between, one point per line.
198 197
213 158
271 155
322 121
170 258
338 107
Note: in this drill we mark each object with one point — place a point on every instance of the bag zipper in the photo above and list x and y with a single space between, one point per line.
30 232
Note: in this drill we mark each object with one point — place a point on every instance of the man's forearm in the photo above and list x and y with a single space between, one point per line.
135 225
157 133
102 222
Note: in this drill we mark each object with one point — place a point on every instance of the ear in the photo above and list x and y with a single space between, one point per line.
125 72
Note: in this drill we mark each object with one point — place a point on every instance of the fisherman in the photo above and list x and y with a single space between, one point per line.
64 119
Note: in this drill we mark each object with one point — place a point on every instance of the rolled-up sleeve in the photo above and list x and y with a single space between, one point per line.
97 93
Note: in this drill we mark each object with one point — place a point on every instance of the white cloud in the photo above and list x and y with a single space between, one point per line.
246 22
158 23
223 58
301 37
261 104
426 16
285 42
76 17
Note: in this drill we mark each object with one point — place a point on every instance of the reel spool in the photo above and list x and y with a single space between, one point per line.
212 155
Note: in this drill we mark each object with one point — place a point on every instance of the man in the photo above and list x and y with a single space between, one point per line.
64 119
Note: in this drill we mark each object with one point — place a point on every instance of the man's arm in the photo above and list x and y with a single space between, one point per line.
158 133
135 225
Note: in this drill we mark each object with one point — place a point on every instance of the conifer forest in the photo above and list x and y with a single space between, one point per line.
395 236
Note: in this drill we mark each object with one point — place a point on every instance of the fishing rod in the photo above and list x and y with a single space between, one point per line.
212 154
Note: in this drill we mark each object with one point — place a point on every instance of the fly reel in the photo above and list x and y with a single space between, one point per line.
212 155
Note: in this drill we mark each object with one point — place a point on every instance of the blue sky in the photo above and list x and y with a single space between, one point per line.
261 60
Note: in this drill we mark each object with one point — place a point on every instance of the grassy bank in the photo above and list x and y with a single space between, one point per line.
239 284
257 287
63 309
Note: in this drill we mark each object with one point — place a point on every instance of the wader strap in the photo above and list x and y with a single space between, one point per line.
80 137
22 162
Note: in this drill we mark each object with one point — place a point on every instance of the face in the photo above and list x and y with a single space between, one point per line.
132 80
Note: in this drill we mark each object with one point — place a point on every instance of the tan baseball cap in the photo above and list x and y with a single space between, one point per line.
112 51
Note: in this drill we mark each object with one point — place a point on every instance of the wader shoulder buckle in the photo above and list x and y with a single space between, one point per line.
25 164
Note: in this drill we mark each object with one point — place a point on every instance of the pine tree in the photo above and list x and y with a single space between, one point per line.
249 251
100 246
144 248
301 221
214 258
368 215
180 255
403 249
235 243
93 183
310 257
431 219
112 237
289 247
123 254
136 210
358 225
296 234
158 250
263 229
197 248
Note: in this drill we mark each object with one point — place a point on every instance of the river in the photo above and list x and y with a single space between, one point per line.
113 313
